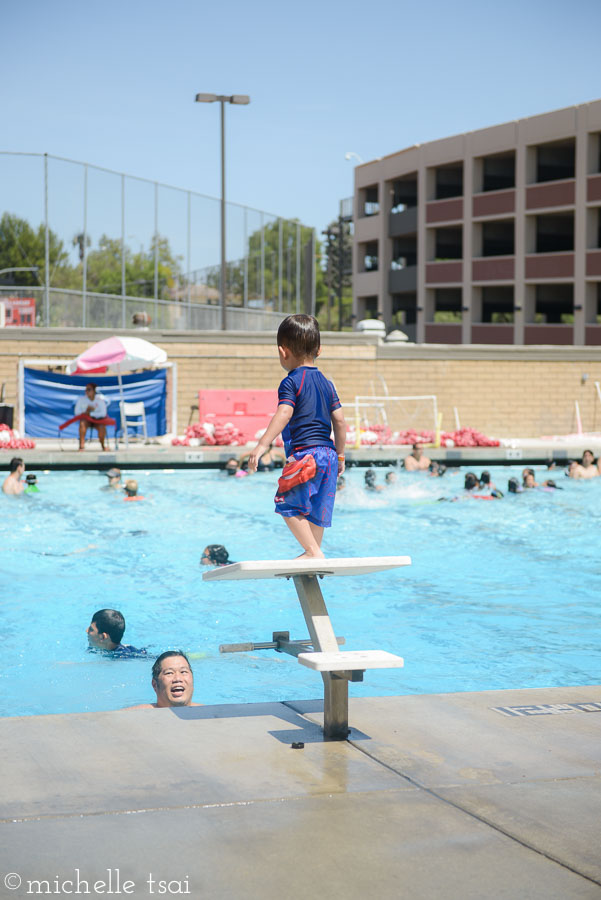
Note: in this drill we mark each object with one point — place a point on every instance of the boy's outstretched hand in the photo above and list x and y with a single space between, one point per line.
255 456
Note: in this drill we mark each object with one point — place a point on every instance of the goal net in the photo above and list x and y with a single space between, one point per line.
391 419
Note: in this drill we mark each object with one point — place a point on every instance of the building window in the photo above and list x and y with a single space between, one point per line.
370 256
367 307
497 304
449 181
447 305
498 172
404 193
404 313
448 243
554 304
404 252
556 161
554 234
498 238
368 201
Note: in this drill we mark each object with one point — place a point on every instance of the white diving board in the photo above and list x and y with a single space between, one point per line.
336 667
289 568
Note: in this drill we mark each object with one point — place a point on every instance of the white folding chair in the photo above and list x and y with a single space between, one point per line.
134 415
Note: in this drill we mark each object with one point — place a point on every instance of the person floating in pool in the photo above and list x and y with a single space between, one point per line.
12 485
232 467
215 555
131 490
308 410
416 461
370 481
586 468
105 632
114 480
172 682
31 482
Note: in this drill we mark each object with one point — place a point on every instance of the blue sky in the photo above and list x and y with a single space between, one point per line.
113 84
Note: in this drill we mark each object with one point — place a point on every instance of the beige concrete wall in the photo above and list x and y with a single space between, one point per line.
502 391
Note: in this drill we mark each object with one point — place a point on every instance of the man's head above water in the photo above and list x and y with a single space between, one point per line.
172 679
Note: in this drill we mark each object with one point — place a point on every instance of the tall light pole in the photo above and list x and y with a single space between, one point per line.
241 99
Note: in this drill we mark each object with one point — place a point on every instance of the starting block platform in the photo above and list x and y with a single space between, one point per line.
321 652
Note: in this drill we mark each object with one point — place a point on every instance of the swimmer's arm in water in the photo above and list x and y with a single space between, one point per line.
281 418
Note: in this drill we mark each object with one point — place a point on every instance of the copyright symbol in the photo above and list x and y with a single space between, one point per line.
12 881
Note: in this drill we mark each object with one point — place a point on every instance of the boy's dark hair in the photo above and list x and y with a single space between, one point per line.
513 486
218 554
485 477
300 335
111 622
471 481
15 462
156 669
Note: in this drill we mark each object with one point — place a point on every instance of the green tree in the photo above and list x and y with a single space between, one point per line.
104 269
21 245
337 274
268 247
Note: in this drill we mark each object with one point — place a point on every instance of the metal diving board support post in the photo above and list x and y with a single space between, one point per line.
337 667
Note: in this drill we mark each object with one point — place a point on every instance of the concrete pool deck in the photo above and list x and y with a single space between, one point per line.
52 454
441 797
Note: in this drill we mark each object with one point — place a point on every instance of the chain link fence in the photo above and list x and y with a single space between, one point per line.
106 245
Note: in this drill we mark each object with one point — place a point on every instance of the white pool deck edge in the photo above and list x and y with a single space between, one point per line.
433 796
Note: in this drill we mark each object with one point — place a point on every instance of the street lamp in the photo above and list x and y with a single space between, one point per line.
242 100
351 154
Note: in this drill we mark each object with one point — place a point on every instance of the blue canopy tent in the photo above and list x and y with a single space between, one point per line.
49 399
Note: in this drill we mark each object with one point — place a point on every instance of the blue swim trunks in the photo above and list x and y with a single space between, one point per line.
314 499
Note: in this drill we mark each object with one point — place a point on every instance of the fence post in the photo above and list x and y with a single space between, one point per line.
189 260
122 250
84 299
245 296
298 266
46 247
156 253
262 262
280 229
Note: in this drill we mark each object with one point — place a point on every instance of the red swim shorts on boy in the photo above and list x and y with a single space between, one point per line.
297 471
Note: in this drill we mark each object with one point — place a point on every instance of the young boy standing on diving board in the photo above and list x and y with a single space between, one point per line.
308 409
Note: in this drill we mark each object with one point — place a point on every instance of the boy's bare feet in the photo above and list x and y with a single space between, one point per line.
308 555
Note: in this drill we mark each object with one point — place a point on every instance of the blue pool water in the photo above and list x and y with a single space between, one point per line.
500 594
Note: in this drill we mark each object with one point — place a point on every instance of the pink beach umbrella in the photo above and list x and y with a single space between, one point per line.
117 355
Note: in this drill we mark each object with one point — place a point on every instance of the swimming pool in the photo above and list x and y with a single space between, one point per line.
500 594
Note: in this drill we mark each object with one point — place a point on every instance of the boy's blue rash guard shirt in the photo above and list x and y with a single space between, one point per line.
313 399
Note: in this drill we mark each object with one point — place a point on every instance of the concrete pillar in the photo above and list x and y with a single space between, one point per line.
422 195
580 226
519 298
466 294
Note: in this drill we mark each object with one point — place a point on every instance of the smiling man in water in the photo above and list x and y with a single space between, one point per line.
172 680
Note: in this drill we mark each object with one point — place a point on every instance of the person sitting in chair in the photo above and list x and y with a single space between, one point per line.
93 405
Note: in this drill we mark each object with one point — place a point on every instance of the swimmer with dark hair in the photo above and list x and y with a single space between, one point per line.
471 481
370 481
437 469
215 555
